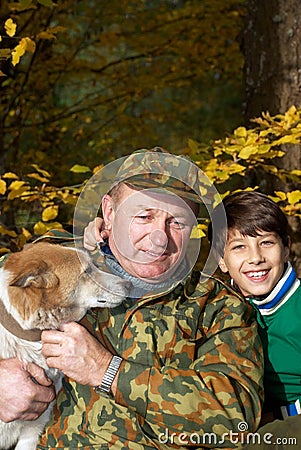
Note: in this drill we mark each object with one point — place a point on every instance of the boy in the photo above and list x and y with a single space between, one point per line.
255 250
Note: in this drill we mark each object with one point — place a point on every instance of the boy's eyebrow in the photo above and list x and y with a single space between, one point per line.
261 235
230 241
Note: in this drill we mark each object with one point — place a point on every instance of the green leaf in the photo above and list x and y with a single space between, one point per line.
80 169
48 3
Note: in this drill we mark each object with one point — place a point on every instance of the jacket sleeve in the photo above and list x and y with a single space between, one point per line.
214 397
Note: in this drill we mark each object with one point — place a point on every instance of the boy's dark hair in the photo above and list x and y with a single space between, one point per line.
249 212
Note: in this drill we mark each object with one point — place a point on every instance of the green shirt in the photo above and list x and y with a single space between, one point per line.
281 337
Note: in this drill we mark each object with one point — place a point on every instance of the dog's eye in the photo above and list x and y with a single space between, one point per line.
88 270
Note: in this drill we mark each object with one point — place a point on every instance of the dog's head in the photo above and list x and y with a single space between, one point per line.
46 285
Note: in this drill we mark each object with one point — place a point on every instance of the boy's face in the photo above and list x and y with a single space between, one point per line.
254 263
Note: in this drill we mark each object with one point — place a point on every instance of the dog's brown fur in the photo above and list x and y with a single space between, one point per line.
42 287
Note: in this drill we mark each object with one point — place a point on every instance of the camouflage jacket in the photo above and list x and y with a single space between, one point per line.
191 376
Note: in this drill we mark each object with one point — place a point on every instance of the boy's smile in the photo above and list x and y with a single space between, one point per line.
255 264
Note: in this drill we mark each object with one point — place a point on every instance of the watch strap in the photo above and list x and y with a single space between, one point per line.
109 376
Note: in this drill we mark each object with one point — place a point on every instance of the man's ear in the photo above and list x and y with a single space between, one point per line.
108 211
222 265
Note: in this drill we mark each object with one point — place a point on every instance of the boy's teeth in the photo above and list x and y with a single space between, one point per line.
260 274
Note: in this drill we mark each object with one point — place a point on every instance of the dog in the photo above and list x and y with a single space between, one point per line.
42 287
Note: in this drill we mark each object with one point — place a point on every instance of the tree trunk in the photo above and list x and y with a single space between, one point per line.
271 44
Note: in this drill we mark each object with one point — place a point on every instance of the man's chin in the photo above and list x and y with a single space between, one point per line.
156 276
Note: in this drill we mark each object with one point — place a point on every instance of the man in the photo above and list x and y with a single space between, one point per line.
179 363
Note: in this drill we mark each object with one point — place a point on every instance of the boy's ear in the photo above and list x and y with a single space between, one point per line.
222 265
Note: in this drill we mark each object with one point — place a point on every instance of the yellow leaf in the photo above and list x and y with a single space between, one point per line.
38 177
41 171
17 193
275 199
26 233
288 139
193 145
10 27
50 33
97 168
240 132
50 213
296 172
30 45
14 185
41 228
236 168
17 53
294 197
197 232
4 230
2 187
281 195
10 175
26 44
246 152
218 198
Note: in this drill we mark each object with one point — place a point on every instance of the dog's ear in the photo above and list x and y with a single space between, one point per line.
36 276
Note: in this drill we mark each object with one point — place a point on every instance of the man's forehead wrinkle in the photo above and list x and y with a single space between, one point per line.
176 210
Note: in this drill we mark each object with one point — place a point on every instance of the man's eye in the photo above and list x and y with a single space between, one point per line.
177 224
143 217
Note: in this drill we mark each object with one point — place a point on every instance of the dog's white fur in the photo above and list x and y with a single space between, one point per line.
42 287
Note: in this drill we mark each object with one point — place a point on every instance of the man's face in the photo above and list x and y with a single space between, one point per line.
256 264
149 231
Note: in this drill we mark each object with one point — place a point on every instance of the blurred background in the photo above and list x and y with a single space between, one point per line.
85 82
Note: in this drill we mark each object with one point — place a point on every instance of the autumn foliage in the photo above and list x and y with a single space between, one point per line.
80 89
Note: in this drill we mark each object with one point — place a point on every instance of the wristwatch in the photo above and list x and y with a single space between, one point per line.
104 388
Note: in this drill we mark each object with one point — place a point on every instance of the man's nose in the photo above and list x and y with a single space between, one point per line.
158 238
255 255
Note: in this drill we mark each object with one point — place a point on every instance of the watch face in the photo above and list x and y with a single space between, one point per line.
103 393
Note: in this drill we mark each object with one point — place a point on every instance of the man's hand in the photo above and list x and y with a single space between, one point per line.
21 397
94 233
76 353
